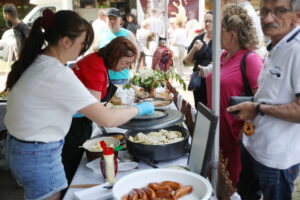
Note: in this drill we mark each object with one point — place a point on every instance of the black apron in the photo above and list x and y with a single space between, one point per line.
111 90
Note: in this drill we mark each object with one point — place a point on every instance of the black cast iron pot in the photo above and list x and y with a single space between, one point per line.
158 152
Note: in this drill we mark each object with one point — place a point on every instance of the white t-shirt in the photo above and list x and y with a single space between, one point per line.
141 37
179 36
157 26
275 142
41 104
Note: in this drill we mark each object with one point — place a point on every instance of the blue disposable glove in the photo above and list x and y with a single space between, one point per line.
145 108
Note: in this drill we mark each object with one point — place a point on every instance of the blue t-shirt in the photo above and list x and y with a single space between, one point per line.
107 36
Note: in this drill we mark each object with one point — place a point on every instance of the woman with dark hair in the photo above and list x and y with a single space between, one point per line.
200 54
131 23
92 71
43 96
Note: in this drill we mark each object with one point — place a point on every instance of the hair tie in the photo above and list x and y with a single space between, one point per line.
47 19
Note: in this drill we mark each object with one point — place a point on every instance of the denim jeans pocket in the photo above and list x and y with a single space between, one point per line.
292 173
267 176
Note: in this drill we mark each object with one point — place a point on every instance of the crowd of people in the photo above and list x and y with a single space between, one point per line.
264 163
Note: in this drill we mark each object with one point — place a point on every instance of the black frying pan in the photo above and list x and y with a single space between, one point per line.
158 152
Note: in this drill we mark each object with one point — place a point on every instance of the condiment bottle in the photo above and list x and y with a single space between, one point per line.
108 163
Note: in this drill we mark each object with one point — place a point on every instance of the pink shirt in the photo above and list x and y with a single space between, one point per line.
231 84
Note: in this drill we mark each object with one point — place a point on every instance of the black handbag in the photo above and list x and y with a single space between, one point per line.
248 94
195 81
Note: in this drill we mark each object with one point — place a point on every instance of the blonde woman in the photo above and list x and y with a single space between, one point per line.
179 40
149 49
238 36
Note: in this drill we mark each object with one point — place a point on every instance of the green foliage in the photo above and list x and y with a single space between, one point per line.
147 77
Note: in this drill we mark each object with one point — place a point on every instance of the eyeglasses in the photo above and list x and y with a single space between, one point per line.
276 12
126 62
207 21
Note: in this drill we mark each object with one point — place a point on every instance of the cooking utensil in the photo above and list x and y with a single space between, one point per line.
172 117
158 152
147 161
83 186
157 114
104 133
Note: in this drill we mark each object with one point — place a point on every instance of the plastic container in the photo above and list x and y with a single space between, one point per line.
108 163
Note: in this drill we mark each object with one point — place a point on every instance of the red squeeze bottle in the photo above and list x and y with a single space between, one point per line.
108 163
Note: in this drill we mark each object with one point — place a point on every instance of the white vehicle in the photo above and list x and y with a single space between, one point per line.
87 9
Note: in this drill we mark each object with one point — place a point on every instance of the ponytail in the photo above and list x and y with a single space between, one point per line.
32 47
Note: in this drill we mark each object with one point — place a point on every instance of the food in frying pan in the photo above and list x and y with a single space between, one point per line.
165 190
156 138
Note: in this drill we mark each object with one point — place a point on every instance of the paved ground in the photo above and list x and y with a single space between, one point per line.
9 190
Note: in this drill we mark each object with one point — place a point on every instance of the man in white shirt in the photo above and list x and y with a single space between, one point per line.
270 156
99 25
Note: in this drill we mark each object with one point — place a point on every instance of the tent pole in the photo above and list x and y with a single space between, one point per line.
216 85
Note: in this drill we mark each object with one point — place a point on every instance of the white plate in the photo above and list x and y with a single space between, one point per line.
160 103
93 145
126 166
122 166
201 186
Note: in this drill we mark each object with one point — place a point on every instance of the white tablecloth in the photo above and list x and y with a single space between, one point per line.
85 175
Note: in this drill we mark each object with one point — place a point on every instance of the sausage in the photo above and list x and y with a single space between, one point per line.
165 195
142 194
125 197
156 187
174 185
184 190
133 195
150 193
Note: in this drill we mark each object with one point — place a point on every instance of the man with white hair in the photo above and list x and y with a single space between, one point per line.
99 25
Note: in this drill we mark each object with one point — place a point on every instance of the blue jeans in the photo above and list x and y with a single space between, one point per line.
257 179
36 166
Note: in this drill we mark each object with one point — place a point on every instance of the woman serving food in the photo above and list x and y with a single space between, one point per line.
92 71
43 96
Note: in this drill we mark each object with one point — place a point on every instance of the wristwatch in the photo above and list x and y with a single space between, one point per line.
257 109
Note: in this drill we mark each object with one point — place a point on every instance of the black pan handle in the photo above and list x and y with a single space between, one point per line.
147 161
187 148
